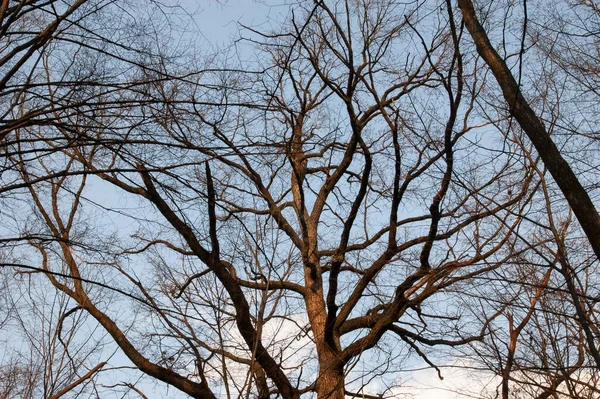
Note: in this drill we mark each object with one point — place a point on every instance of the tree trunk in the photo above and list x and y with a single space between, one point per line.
330 383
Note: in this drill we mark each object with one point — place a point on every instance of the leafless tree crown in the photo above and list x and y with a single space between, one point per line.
337 200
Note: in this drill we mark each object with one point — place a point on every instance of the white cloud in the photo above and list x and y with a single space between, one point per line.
458 382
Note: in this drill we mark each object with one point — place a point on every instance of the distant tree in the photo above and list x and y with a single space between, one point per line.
48 349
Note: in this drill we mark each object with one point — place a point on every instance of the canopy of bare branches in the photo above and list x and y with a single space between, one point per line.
345 193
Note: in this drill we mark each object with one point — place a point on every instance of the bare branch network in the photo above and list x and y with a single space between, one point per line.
340 199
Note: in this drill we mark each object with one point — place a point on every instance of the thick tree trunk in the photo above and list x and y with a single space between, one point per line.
576 196
330 383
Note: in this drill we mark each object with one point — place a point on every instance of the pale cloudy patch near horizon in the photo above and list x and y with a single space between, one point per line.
459 382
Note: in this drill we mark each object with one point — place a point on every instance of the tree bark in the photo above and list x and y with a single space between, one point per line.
330 383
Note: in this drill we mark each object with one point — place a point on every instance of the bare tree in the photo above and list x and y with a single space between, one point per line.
317 220
574 192
49 349
538 131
